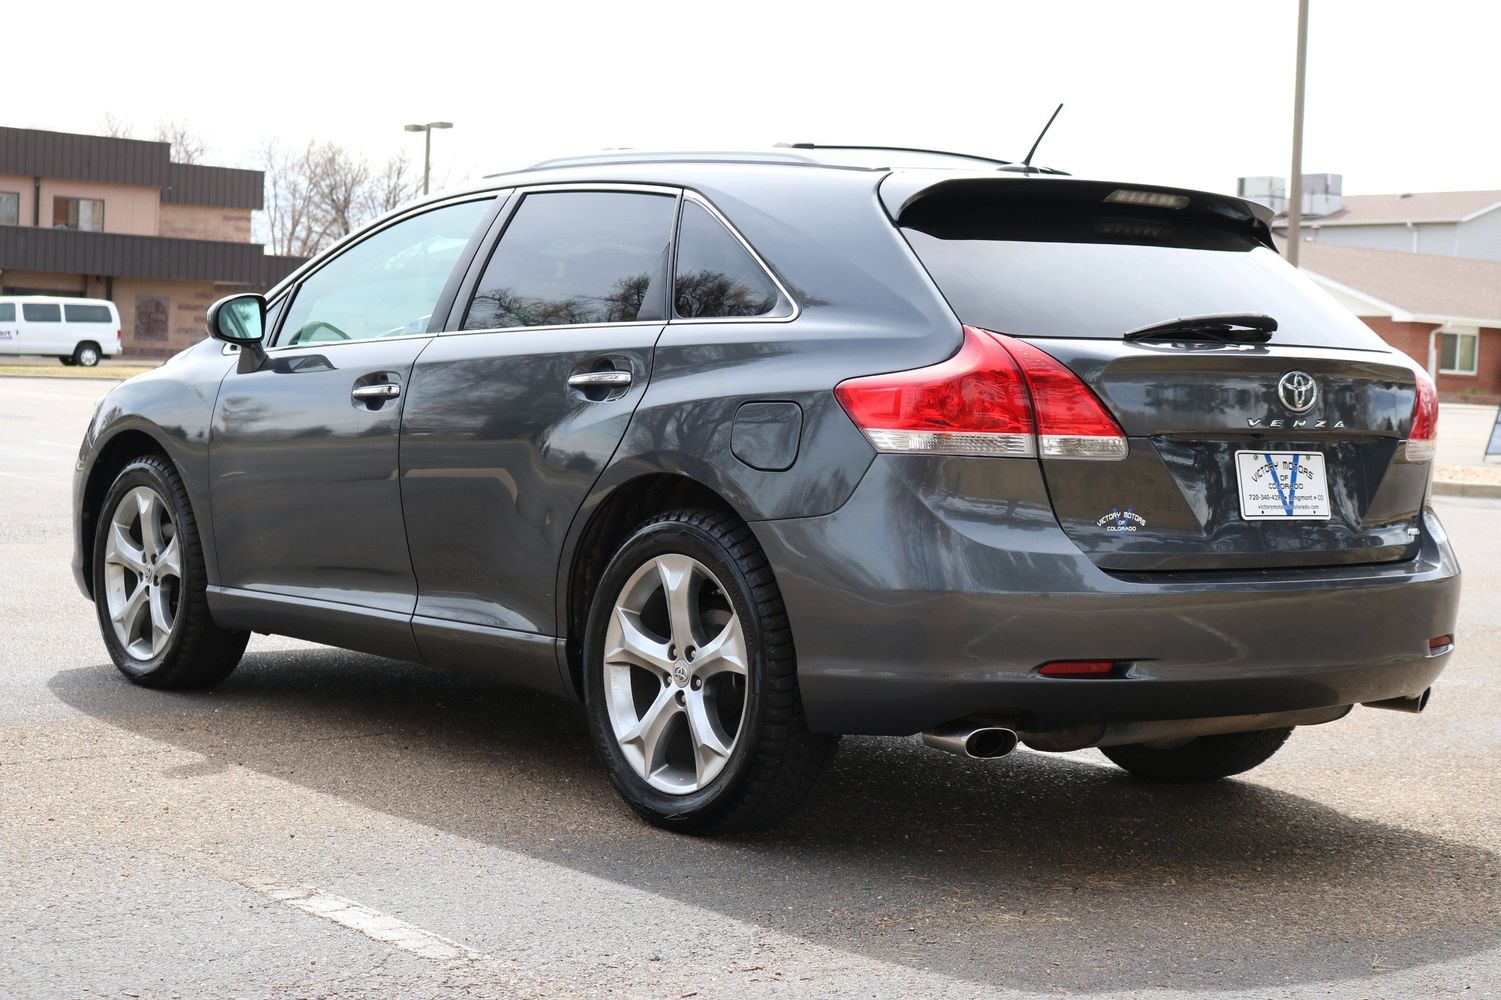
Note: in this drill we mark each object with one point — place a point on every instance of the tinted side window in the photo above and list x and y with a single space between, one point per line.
715 274
577 257
387 284
7 312
87 314
42 312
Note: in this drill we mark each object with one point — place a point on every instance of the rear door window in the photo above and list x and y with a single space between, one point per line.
1035 269
87 314
578 257
41 312
716 276
7 312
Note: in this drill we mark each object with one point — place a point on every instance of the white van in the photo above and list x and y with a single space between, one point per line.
75 331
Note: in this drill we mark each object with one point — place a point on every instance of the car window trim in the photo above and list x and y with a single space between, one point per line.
786 296
461 303
291 288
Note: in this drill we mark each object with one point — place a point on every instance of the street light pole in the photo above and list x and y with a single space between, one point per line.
1295 182
427 148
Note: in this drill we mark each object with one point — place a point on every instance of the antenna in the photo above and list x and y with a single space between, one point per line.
1028 161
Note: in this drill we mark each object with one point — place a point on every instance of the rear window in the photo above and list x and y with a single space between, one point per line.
87 314
41 312
1034 269
7 312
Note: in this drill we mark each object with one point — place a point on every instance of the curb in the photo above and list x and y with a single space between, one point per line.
1453 488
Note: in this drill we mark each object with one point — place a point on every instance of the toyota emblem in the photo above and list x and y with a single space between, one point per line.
1298 391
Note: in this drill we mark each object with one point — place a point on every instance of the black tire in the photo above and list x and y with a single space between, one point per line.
1204 759
775 762
67 359
87 354
197 653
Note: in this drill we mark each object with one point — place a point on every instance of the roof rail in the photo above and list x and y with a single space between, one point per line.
899 149
658 156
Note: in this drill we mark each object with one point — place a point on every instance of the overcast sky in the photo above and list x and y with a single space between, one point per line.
1402 96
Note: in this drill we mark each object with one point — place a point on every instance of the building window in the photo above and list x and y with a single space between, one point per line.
86 214
1458 353
151 318
10 208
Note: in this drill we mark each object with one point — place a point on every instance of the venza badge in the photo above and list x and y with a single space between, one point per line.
1298 391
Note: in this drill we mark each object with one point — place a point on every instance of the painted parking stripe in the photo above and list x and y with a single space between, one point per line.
373 924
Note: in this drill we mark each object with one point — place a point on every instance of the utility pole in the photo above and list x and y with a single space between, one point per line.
427 148
1295 182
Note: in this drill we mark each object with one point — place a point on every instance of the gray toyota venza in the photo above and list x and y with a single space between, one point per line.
747 451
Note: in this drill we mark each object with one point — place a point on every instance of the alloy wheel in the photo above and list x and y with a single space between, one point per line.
142 572
675 673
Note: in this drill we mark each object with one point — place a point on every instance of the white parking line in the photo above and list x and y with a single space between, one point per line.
373 924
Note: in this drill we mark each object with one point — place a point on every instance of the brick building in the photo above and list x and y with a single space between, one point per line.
117 219
1445 312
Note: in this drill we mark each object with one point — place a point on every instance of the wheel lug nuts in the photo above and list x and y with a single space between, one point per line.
672 651
690 652
681 699
697 683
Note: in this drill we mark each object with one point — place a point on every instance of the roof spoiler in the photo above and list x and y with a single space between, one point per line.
901 190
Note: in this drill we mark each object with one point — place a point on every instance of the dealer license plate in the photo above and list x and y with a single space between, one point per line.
1282 485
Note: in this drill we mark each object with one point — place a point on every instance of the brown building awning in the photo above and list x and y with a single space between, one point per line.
118 255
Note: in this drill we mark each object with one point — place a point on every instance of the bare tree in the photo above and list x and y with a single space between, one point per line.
188 146
392 185
115 128
290 214
322 192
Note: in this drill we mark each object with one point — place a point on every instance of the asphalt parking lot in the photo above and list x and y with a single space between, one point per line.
331 824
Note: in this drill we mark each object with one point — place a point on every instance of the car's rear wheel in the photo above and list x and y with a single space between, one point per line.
86 354
691 680
1202 759
149 584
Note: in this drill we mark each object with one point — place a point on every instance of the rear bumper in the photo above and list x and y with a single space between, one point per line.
917 603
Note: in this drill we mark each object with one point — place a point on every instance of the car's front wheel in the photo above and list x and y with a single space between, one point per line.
691 681
67 359
1202 759
149 584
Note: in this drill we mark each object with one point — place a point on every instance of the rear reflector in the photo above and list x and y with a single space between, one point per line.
1420 440
1439 642
997 397
1078 668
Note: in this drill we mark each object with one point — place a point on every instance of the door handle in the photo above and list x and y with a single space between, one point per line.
377 393
600 380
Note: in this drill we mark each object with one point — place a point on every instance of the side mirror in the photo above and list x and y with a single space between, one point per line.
240 320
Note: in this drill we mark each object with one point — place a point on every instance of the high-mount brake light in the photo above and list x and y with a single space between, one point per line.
1149 199
997 397
1421 438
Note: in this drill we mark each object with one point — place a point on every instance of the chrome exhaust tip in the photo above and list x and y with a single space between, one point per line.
976 742
1413 705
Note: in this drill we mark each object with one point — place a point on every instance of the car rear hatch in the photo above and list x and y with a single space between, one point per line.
1246 448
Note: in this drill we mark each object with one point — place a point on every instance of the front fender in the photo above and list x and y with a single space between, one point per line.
167 410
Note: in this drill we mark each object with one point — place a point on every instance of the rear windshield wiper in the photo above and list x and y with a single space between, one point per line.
1231 328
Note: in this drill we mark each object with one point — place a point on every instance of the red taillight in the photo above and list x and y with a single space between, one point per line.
1440 643
1071 420
1078 668
975 403
998 396
1420 440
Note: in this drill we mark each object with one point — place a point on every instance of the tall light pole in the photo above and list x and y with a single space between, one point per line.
1295 182
427 146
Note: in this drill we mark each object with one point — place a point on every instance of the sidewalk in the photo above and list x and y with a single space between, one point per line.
1462 468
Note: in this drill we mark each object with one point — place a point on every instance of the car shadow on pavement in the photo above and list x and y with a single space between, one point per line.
1030 872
